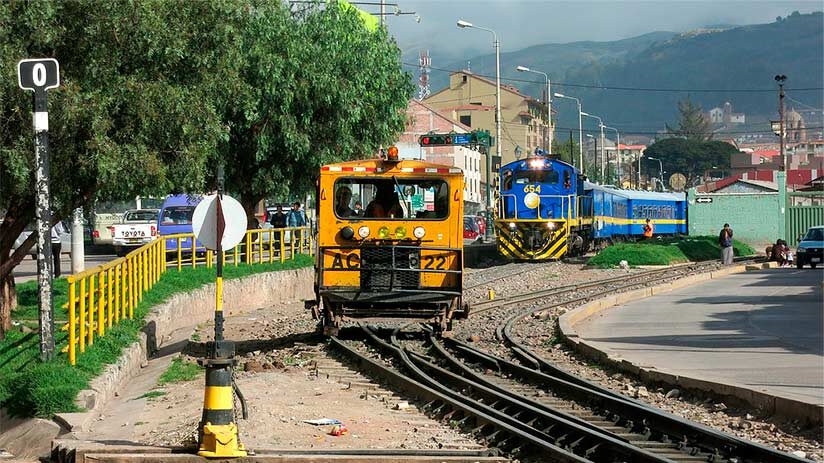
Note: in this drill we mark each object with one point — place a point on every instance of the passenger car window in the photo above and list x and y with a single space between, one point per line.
814 234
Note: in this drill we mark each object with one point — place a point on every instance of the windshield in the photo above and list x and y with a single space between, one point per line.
146 216
814 234
391 198
177 215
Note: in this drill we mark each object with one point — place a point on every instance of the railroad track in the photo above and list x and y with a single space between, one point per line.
616 284
532 406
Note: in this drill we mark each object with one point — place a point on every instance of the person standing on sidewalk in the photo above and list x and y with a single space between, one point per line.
56 244
725 240
296 218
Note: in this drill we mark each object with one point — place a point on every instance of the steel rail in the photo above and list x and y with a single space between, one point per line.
600 444
690 433
485 417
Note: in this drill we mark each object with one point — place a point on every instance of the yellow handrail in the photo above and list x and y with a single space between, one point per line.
102 297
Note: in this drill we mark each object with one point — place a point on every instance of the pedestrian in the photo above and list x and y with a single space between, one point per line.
648 229
278 221
56 232
725 240
296 218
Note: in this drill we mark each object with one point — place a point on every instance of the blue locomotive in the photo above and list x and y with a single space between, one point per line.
547 210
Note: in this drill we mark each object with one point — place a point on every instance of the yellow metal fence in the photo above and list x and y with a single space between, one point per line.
102 297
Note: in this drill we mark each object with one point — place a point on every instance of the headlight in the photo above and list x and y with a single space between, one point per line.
419 232
347 233
511 224
800 250
400 232
550 225
363 232
536 163
531 200
383 232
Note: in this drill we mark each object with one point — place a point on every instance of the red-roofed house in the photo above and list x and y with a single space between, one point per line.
797 179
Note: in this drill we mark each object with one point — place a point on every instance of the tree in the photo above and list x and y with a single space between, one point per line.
132 115
314 88
692 124
691 158
565 151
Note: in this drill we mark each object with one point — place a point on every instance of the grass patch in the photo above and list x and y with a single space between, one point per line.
152 395
27 308
195 337
666 251
179 371
29 387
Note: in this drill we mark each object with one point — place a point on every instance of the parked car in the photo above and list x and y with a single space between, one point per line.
65 239
176 217
810 248
471 231
139 226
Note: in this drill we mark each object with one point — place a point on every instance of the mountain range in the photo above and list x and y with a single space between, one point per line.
647 75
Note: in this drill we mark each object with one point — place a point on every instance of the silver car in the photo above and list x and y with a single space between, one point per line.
65 239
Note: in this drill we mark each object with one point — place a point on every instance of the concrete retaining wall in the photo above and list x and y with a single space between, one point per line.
182 310
768 403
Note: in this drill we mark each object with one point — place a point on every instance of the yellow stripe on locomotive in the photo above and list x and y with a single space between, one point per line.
390 242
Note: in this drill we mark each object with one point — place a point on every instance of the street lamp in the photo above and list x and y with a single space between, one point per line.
548 104
780 80
464 25
617 152
580 131
601 126
660 170
595 151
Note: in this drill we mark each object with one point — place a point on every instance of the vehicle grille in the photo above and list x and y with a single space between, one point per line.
377 271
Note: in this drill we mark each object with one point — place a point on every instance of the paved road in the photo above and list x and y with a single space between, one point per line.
762 330
27 269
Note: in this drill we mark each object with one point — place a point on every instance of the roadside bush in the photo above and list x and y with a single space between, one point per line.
666 251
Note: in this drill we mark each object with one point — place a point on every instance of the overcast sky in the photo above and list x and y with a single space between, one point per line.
521 23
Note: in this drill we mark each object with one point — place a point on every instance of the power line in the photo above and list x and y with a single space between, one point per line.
628 89
649 131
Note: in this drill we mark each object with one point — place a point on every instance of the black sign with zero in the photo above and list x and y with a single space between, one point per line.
38 74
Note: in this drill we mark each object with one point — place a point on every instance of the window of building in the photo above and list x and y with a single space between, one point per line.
466 120
465 78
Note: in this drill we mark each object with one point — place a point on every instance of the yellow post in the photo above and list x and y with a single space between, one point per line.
248 248
101 300
117 296
236 256
145 261
209 258
292 244
132 289
109 302
82 301
260 247
282 245
151 257
194 253
92 310
72 323
179 255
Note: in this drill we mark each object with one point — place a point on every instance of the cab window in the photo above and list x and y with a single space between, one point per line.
177 215
391 198
536 176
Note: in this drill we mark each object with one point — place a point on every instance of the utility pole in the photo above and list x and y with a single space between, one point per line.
571 147
780 79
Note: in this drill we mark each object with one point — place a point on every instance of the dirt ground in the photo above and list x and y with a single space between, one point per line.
282 389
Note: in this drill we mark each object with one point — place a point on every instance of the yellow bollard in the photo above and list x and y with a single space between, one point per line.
72 323
91 309
82 301
109 284
101 300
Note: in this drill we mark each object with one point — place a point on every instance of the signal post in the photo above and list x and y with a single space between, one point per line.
219 224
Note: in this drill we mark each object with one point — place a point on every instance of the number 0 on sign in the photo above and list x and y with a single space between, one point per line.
204 222
38 74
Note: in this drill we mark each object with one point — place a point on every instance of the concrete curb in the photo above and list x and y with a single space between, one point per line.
182 310
769 403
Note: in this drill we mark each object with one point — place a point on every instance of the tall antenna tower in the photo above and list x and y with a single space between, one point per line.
424 62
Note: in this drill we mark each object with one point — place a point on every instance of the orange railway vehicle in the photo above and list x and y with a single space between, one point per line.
390 243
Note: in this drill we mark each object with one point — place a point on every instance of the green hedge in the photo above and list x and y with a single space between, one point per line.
666 251
29 387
